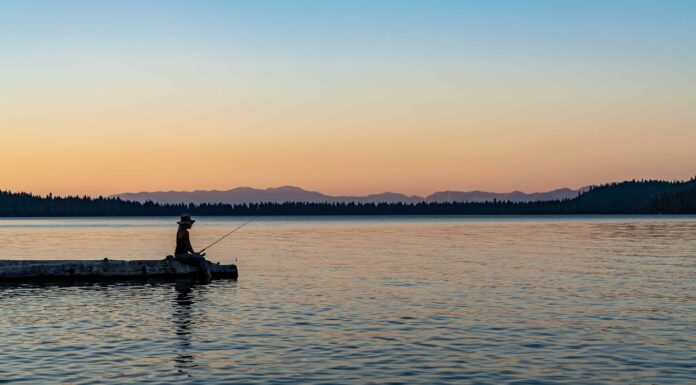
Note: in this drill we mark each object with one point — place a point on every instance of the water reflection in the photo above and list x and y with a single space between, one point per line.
185 321
396 301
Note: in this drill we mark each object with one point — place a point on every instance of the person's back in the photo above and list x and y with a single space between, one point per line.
183 241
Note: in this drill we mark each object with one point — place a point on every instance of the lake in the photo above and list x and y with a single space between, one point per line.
399 300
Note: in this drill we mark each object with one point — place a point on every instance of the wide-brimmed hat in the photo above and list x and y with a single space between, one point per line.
186 220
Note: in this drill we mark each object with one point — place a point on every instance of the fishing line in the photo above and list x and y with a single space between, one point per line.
228 234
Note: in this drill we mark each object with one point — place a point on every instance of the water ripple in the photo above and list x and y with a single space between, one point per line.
403 301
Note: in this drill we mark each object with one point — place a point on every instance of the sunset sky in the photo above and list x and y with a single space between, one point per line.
344 97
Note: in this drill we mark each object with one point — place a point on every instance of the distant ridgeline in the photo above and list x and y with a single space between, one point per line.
630 197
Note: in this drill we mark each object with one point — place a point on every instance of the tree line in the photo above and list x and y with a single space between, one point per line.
629 197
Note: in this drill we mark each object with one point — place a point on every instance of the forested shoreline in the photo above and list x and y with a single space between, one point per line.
629 197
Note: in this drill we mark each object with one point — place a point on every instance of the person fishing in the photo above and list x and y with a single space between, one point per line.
184 251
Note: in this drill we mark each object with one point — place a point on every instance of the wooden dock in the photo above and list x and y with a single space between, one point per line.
105 269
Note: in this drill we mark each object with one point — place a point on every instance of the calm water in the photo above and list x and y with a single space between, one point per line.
356 301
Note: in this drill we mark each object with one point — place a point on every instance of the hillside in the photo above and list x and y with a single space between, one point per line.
628 197
676 202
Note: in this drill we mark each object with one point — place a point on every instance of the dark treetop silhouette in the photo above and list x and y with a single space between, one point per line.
629 197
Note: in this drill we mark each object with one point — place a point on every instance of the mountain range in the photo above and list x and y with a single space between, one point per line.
297 194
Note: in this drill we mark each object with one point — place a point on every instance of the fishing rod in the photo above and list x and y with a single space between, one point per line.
228 234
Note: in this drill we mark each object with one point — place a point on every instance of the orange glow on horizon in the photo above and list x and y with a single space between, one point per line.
110 106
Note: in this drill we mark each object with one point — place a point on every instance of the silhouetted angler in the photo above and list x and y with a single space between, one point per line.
184 251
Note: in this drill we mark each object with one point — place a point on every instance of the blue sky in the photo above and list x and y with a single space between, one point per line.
479 88
292 28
